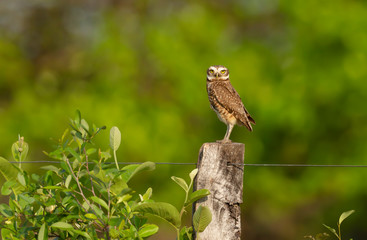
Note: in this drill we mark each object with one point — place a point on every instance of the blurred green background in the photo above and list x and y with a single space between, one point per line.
300 67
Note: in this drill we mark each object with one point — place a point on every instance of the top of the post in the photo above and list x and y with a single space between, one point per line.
224 145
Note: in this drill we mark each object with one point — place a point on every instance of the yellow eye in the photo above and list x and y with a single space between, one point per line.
223 71
211 71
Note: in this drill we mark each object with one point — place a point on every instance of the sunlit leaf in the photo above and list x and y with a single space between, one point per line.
50 168
147 194
6 210
10 172
62 225
181 183
81 233
43 232
53 187
201 219
193 174
197 195
131 170
67 181
115 138
21 179
78 117
91 216
148 230
161 209
331 230
7 187
72 152
99 201
344 215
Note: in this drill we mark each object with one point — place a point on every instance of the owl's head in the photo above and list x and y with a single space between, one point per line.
217 73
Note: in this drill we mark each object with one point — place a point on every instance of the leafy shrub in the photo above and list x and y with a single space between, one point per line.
86 197
338 235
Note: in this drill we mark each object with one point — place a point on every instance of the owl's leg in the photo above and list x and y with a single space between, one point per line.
228 133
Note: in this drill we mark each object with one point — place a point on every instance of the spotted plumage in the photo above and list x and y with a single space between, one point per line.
225 101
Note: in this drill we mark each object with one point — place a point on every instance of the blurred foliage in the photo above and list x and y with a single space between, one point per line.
300 67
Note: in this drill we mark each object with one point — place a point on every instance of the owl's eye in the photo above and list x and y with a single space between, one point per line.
211 71
223 71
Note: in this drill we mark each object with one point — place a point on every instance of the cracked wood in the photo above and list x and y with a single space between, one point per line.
225 182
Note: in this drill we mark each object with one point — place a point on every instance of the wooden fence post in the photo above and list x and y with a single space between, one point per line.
225 182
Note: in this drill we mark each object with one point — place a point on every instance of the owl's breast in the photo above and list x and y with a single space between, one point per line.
223 114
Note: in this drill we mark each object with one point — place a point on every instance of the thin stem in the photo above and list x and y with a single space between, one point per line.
91 181
107 228
340 235
115 157
83 206
186 197
109 200
81 190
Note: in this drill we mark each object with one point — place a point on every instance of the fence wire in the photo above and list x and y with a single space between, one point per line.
236 164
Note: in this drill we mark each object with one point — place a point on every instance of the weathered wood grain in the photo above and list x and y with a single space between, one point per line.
225 182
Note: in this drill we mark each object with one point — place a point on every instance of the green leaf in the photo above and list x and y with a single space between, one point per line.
62 225
72 152
90 151
19 149
7 186
21 179
160 209
331 230
27 200
8 170
53 187
197 195
186 233
6 210
147 194
193 174
10 173
81 233
118 186
67 181
115 138
100 202
24 153
129 171
97 210
6 232
181 183
91 216
78 117
148 230
43 232
344 215
85 125
51 168
201 219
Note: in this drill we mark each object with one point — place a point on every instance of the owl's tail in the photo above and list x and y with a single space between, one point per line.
246 120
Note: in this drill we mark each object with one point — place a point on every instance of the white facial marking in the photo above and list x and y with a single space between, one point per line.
216 74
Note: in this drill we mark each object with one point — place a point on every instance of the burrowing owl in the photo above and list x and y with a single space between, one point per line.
225 101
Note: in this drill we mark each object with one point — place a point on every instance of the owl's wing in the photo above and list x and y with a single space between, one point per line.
228 98
247 113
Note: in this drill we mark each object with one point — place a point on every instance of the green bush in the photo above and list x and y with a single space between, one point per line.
86 197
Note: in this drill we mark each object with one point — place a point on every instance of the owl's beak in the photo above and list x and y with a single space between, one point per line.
217 74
